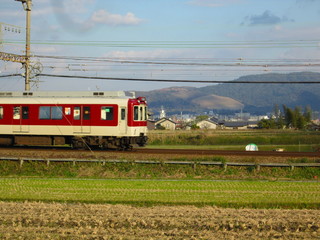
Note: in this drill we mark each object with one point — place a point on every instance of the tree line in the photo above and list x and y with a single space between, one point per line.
288 118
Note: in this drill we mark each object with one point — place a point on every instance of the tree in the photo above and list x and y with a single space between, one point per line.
307 113
201 118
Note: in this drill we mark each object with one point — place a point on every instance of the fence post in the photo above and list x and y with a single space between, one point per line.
225 165
258 167
194 166
21 162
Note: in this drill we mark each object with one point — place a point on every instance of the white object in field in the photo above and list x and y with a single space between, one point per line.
252 147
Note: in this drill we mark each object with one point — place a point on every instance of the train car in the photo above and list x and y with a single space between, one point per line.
79 119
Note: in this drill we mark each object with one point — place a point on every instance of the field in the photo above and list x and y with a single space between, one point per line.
267 140
255 194
133 201
38 220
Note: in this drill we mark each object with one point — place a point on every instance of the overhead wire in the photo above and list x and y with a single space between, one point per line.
180 81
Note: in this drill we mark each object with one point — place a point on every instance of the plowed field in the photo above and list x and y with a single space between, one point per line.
32 220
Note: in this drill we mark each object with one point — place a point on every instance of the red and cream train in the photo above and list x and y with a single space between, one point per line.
80 119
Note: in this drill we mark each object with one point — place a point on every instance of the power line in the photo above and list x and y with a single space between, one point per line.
10 75
180 44
180 81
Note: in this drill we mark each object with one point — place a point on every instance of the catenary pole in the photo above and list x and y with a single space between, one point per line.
27 7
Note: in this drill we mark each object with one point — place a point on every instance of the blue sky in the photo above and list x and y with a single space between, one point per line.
201 39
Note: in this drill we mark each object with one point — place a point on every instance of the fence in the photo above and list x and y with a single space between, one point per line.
192 163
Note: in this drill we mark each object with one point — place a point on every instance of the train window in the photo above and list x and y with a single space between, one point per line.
44 113
56 112
106 113
145 113
123 114
50 113
141 113
76 113
86 113
16 113
25 112
67 111
1 112
136 113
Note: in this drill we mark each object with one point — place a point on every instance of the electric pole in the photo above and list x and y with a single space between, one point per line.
27 7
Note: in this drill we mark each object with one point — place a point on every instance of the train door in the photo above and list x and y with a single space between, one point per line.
123 120
82 119
20 119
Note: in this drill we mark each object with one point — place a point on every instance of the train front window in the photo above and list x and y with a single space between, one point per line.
141 113
106 113
136 113
145 113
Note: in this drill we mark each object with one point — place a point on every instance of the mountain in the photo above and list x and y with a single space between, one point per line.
254 98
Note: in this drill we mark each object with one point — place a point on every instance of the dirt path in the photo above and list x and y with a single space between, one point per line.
32 220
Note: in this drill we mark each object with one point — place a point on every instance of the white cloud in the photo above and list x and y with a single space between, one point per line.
104 17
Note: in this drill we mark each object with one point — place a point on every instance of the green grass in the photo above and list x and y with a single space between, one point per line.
256 194
291 140
290 148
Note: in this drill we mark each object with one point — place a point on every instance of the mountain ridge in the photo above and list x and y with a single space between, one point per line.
253 98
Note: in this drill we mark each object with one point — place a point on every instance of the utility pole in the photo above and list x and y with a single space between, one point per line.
27 7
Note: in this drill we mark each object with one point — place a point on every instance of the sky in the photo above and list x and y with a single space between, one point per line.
202 40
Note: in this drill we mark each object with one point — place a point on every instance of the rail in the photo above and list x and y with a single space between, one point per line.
193 163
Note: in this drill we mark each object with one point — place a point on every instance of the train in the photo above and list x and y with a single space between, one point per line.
81 120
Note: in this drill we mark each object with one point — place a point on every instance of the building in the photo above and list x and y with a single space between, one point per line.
207 124
166 124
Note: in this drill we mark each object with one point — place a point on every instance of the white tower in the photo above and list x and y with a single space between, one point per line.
162 113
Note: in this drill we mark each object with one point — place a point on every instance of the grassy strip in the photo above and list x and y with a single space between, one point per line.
299 140
156 171
290 148
253 194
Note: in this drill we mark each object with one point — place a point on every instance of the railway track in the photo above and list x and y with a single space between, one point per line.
198 152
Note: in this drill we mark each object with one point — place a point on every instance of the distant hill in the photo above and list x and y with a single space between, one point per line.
254 98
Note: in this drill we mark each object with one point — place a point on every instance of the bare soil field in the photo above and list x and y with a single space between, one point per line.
36 220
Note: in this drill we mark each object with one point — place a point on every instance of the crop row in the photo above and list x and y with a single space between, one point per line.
258 194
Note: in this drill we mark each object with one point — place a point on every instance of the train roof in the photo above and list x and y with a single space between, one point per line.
87 94
117 97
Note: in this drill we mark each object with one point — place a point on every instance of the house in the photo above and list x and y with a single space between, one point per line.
166 124
235 125
151 124
207 124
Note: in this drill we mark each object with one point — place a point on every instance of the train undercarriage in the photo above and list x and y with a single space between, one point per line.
76 142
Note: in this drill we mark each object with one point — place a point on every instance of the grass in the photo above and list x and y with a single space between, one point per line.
290 148
158 171
254 194
267 140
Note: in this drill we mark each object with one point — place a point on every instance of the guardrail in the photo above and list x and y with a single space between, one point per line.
193 163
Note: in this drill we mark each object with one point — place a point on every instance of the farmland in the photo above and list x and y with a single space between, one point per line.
267 140
65 200
38 220
255 194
